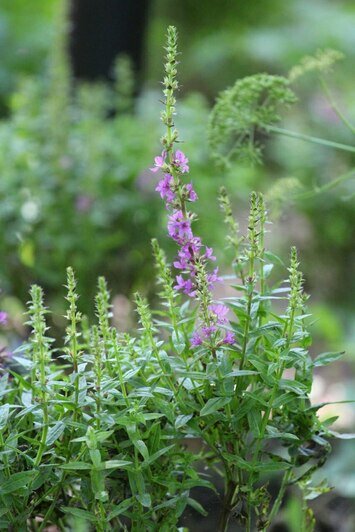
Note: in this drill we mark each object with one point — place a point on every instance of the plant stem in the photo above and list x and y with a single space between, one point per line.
42 363
227 506
314 140
246 328
288 329
278 500
334 105
328 186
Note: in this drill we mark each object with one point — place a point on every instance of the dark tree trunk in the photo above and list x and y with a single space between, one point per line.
102 29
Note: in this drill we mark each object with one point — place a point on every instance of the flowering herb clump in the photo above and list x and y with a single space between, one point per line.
96 433
195 278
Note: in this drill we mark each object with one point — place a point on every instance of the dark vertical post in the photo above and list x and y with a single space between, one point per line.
102 29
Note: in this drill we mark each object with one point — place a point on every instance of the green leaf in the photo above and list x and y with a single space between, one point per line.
254 420
142 448
274 433
78 512
103 435
158 454
120 509
196 506
342 436
266 467
115 464
167 504
241 373
178 341
239 461
144 499
152 415
181 420
73 466
4 414
136 482
22 361
214 404
274 258
329 421
55 432
320 405
95 456
130 373
292 386
98 484
327 358
17 481
267 269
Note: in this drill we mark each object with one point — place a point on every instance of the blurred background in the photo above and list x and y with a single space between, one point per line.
79 128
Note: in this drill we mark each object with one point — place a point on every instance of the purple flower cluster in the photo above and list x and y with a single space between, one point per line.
180 162
218 316
166 186
192 255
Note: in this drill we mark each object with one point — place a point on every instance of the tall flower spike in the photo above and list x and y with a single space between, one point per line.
297 297
73 318
253 225
171 85
193 278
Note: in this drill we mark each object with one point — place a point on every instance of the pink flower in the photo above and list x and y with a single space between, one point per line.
209 330
209 254
192 196
185 285
180 264
180 161
164 188
229 338
213 278
179 227
204 334
196 339
219 312
191 248
159 161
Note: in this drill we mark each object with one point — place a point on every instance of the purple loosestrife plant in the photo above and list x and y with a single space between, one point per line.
108 428
195 278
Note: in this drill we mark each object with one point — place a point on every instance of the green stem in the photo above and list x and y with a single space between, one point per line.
328 186
262 262
120 374
280 496
246 331
227 506
75 356
314 140
334 105
155 350
42 446
288 328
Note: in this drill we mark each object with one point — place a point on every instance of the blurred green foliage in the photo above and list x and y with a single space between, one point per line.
26 29
76 187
